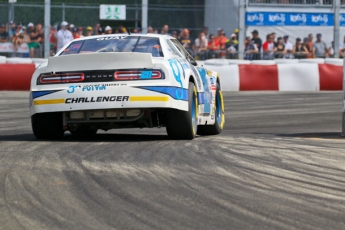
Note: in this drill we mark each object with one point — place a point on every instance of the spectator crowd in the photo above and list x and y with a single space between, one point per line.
204 46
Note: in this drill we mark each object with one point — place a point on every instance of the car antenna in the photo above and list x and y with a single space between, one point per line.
129 31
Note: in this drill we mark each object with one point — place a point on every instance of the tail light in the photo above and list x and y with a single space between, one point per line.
61 78
137 74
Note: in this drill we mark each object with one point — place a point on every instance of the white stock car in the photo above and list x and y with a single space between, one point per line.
125 81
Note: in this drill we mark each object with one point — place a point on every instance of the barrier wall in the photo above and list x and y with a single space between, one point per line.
236 75
16 76
279 75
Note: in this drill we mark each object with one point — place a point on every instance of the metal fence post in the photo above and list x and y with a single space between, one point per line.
10 14
63 12
336 31
242 27
144 8
46 28
136 15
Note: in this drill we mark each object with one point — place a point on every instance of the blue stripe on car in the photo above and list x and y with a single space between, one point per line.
169 90
37 94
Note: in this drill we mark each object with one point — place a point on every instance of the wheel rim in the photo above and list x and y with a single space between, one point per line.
218 109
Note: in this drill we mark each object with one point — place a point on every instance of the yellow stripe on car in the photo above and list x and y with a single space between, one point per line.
49 101
149 98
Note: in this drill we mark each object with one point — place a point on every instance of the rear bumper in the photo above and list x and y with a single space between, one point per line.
76 99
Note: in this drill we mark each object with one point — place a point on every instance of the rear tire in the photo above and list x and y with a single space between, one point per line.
218 125
47 125
183 124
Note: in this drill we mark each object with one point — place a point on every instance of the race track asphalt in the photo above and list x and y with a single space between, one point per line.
278 164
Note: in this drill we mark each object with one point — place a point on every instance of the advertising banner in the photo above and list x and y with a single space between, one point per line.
291 19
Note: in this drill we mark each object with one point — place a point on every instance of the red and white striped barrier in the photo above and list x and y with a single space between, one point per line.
301 76
16 76
236 75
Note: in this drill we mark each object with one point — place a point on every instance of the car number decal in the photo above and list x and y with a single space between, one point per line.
177 74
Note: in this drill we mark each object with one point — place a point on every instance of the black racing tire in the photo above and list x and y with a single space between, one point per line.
47 126
218 125
83 133
183 124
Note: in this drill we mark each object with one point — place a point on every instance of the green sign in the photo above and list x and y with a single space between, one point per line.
112 12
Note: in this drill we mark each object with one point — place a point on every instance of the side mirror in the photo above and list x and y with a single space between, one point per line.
193 62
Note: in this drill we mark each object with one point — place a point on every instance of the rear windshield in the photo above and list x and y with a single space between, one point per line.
140 44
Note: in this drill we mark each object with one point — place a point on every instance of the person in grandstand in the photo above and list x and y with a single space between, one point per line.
108 30
36 37
258 42
88 31
174 34
268 47
221 39
319 47
75 33
100 31
249 49
63 36
299 50
186 41
288 47
80 31
212 47
201 46
165 30
279 48
150 30
309 45
3 34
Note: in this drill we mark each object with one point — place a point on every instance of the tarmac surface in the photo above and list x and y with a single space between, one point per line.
278 164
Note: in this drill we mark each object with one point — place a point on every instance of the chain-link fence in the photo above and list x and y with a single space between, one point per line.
176 16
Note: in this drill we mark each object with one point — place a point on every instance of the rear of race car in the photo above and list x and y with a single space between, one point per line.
84 93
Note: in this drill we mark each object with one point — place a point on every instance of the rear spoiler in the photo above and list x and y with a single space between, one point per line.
100 61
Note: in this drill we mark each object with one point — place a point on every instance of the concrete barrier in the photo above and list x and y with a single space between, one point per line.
312 60
334 61
263 62
217 62
16 76
298 77
235 75
238 62
2 59
229 76
19 61
285 61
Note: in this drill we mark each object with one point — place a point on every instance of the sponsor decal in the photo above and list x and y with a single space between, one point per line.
207 92
291 19
96 99
256 18
169 90
87 88
146 74
278 18
110 38
323 19
99 76
177 74
298 18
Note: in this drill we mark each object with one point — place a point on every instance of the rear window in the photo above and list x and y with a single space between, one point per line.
140 44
